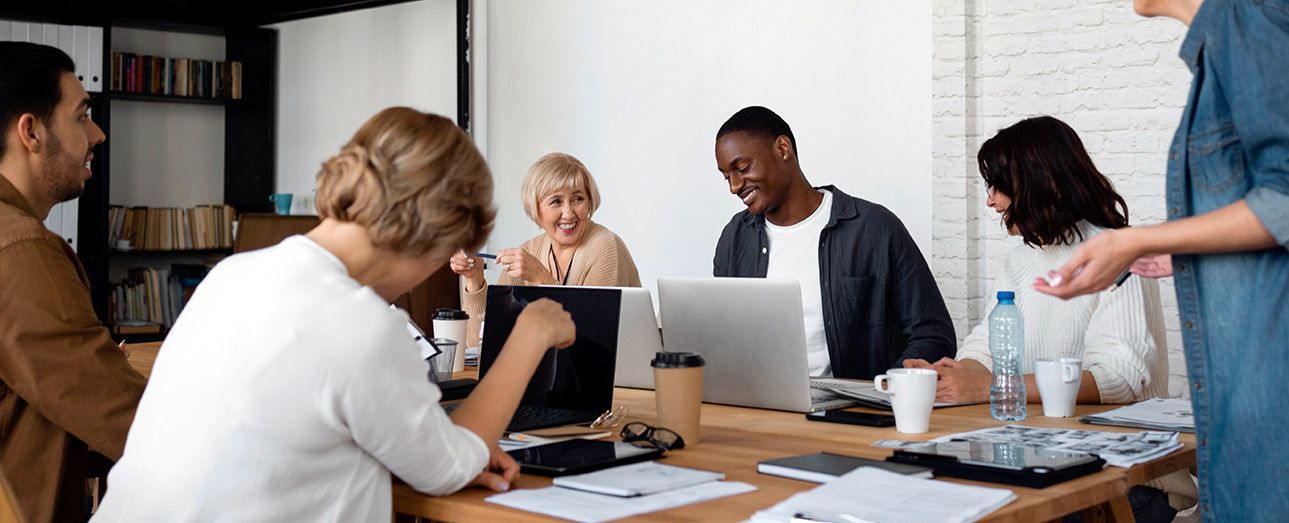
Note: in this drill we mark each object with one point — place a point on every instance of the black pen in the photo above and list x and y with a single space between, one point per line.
1118 282
486 255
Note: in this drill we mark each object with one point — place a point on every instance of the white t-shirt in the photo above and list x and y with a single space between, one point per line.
794 255
286 391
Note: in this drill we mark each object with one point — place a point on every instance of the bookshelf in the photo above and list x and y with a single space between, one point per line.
247 154
154 136
150 134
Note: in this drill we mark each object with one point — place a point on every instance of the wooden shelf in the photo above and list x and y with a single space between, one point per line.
140 252
144 97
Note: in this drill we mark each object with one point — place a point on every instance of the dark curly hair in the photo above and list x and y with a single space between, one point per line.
1040 163
760 122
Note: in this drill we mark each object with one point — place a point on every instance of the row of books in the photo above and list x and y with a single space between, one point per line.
167 228
150 296
133 73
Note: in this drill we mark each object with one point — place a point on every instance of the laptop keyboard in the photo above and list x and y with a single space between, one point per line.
826 385
533 417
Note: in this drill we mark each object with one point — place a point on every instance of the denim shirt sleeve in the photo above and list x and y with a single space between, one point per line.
1252 69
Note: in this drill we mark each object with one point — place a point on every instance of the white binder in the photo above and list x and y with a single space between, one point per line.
18 31
49 35
66 40
71 224
80 52
94 61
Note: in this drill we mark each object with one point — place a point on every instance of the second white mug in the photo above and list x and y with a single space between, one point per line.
912 394
1058 385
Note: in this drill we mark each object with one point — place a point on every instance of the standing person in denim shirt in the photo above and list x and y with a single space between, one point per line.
1228 230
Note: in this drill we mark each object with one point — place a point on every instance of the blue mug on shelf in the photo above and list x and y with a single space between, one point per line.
283 201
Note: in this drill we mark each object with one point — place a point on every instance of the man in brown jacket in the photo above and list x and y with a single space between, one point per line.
65 388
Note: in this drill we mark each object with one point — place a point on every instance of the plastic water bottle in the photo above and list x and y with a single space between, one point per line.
1007 346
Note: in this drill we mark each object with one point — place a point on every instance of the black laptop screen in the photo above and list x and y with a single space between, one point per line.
577 378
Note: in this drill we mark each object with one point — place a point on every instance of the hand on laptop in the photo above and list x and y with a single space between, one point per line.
500 473
964 381
546 319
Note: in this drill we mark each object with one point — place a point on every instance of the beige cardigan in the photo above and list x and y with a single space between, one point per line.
602 259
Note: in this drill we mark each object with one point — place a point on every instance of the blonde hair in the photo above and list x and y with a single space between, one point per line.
554 172
414 180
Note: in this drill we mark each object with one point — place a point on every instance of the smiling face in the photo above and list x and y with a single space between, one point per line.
755 168
564 215
64 162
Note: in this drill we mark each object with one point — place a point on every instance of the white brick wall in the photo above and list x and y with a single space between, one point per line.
1112 75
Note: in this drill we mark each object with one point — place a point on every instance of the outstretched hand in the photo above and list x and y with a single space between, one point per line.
1093 267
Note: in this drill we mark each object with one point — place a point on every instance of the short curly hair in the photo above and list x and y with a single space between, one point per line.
554 172
414 180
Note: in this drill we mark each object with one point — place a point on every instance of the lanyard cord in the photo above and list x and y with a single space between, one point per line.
555 263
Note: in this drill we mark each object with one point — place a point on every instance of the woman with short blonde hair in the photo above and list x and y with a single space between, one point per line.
289 389
559 195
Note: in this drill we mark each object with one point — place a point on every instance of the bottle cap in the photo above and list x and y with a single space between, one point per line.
1006 295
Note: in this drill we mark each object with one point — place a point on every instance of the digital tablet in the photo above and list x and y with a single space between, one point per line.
576 456
1010 463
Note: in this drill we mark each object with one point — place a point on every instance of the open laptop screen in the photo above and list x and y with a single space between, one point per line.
577 378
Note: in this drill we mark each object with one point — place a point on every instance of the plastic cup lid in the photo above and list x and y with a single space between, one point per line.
674 360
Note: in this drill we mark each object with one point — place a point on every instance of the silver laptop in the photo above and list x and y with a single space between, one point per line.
638 339
752 334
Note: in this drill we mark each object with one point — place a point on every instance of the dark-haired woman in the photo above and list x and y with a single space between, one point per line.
1044 185
1042 182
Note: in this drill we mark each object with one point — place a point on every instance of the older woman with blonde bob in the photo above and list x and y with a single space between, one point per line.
560 196
289 389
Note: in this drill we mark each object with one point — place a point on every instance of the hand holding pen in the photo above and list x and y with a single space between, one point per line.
470 268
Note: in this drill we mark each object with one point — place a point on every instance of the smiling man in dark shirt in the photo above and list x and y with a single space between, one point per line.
868 297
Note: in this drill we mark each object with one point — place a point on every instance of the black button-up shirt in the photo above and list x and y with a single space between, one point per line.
880 303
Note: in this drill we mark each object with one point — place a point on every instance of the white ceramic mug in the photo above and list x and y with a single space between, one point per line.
1058 384
912 393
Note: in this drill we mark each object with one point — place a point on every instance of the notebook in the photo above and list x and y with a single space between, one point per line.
824 466
872 494
639 479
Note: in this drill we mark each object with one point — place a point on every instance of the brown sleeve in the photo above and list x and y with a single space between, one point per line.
55 354
611 264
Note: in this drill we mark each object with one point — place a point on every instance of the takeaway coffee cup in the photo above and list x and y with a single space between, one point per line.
912 394
450 324
1058 385
678 390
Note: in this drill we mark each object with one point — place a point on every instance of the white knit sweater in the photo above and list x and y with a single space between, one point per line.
1118 333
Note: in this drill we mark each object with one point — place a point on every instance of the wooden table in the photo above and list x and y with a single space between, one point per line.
734 439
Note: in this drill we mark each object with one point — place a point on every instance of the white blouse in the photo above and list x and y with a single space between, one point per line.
286 391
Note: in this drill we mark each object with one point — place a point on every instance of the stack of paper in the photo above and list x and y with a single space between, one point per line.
1118 449
1157 414
861 391
638 479
870 494
647 487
